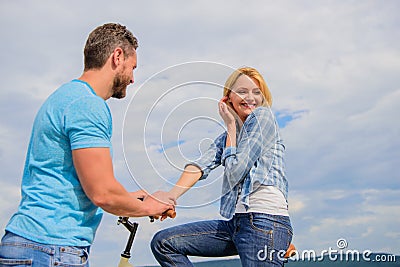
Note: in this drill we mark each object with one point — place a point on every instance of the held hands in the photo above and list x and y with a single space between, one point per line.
161 204
224 112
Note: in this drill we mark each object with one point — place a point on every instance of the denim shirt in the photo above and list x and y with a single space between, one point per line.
257 159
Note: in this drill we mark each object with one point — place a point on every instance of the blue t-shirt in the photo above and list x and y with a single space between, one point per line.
54 209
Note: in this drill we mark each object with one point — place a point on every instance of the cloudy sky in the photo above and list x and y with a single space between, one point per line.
333 69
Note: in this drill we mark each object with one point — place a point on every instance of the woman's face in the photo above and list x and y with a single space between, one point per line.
245 96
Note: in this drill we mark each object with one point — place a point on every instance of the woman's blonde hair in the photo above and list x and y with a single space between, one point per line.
251 73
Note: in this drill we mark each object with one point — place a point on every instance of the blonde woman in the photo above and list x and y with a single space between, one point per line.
255 189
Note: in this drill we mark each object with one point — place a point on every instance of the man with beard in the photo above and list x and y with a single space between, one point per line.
68 171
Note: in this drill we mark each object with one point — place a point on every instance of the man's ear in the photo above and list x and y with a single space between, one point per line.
117 56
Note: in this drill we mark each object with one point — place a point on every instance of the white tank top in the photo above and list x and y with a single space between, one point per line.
266 199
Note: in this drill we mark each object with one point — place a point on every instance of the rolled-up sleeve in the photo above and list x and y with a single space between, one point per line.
228 152
211 158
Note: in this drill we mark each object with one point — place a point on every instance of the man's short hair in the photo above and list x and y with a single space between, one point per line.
103 40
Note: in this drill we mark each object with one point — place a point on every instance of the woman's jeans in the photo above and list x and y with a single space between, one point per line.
259 240
18 251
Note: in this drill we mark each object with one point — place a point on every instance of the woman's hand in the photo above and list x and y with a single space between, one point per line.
229 119
224 112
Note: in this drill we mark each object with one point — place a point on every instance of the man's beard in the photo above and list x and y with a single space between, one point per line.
119 86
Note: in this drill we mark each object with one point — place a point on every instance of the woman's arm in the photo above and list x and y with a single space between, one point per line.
188 178
200 169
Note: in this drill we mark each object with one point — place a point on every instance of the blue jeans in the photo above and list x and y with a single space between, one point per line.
259 240
18 251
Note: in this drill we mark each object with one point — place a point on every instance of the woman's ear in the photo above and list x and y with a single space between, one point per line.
228 98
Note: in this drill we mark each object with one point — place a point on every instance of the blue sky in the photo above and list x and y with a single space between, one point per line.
333 69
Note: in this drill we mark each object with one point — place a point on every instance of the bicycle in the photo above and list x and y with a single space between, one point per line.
132 228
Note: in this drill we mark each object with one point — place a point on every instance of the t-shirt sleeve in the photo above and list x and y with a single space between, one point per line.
87 123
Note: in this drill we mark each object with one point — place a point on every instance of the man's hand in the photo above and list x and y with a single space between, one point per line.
140 194
159 202
165 197
169 213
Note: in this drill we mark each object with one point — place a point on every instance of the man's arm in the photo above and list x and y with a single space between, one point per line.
96 175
